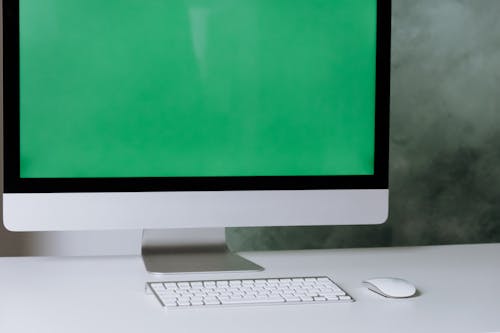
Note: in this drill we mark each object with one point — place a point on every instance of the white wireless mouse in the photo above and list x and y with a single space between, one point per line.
391 287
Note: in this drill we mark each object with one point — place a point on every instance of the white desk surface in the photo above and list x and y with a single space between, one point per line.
459 292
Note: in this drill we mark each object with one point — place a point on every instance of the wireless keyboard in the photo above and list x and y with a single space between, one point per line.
296 290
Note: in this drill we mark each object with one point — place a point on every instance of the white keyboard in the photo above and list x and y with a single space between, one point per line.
297 290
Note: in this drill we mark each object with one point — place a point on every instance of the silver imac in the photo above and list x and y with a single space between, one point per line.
182 118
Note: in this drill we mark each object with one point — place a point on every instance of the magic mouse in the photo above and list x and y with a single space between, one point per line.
391 287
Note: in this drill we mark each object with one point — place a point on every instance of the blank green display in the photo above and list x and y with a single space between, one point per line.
191 88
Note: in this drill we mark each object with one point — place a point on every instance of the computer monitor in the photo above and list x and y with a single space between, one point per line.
179 117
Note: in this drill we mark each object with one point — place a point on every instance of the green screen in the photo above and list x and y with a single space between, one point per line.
167 88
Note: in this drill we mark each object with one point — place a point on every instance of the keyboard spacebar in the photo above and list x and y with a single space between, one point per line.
251 300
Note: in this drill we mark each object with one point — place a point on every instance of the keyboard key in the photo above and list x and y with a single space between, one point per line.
170 285
331 297
290 299
222 283
211 301
345 298
157 286
183 303
170 303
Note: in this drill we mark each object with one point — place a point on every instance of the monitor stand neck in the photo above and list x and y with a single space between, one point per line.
189 251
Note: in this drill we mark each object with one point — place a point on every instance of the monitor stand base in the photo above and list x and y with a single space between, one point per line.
191 251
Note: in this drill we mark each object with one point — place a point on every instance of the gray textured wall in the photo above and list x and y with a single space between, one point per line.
445 142
445 134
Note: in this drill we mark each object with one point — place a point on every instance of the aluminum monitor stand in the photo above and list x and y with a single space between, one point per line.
191 250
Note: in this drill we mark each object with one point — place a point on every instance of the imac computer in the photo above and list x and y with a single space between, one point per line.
183 117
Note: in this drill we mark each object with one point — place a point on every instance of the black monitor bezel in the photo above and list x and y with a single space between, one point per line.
13 183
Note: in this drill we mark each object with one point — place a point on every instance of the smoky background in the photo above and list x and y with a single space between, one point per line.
445 135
